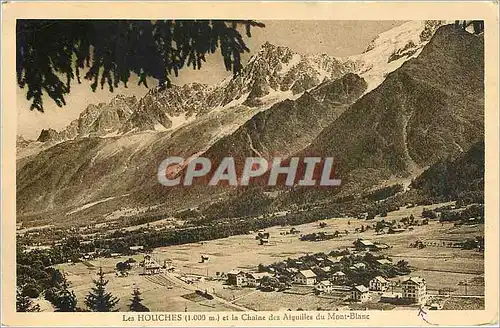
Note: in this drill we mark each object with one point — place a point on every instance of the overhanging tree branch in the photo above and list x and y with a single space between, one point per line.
51 54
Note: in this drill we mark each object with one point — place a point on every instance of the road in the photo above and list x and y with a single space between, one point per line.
179 283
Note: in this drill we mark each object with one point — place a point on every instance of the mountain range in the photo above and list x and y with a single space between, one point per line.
416 95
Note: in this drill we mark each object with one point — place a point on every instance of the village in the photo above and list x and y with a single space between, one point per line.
407 259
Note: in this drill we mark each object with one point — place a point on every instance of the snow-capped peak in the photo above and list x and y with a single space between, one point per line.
390 49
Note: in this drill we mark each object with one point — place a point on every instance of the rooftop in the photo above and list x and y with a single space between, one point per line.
308 274
415 280
384 261
361 289
381 279
234 271
325 283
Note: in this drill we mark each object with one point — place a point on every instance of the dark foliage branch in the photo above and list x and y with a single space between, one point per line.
477 25
52 53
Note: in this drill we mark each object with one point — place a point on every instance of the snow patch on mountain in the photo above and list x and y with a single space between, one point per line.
390 49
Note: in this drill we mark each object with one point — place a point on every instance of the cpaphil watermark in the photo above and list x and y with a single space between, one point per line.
293 171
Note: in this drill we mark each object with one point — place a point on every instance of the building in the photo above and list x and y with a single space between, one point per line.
360 294
324 286
339 277
330 260
150 265
362 244
326 270
305 277
414 290
379 283
253 279
394 298
384 262
358 266
396 230
381 246
236 278
89 256
136 248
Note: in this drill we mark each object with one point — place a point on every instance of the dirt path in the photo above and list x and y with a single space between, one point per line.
176 281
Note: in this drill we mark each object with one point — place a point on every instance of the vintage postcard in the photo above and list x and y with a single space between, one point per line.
250 164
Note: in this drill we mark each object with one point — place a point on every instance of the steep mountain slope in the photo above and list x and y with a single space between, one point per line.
430 108
95 121
453 178
113 150
90 169
290 125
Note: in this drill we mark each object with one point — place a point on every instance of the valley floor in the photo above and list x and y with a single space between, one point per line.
442 267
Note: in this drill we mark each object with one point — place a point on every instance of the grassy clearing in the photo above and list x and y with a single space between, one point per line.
440 266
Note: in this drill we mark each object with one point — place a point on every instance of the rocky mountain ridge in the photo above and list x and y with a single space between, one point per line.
274 72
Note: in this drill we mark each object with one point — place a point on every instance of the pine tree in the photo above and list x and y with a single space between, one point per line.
135 302
66 298
98 300
50 54
24 303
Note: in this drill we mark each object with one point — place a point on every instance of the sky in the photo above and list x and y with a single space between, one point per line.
336 38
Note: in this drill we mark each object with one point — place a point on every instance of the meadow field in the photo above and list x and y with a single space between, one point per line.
442 267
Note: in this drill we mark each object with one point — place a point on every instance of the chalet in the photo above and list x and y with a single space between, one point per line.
360 294
414 290
379 283
394 298
291 271
339 277
326 269
381 246
363 216
150 265
396 230
324 286
236 278
384 262
89 256
319 260
330 260
305 277
253 279
152 268
358 266
362 244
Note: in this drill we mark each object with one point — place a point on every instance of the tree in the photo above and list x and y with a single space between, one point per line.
379 226
24 303
403 267
31 290
135 302
123 267
50 54
477 25
98 300
66 299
